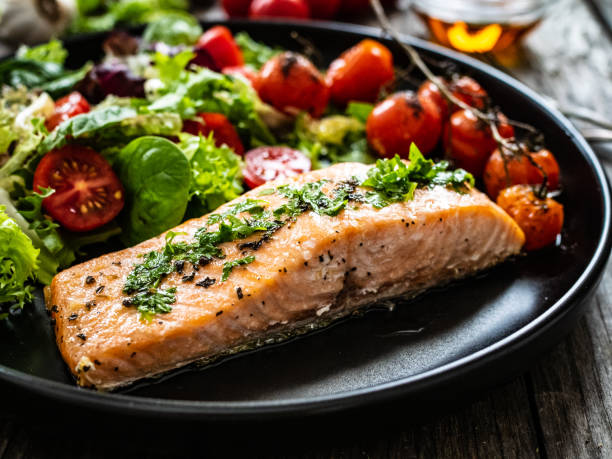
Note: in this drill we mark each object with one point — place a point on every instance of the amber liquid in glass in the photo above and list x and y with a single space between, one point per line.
476 38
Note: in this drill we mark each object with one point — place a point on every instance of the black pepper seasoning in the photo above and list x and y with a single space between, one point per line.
239 293
100 289
90 280
73 316
81 336
218 313
189 277
207 282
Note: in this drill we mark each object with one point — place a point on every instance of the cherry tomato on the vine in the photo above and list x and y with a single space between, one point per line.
291 83
68 106
269 163
519 171
87 194
398 121
463 88
223 131
540 219
279 9
360 72
236 8
217 44
469 141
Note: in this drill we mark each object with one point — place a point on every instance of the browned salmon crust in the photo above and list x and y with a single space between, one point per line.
312 271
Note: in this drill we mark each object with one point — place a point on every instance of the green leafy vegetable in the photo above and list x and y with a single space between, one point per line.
359 110
255 54
157 177
395 181
173 29
151 302
52 51
216 173
18 263
331 140
191 93
111 126
228 266
101 15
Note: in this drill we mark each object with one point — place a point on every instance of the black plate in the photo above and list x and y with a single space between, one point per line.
448 342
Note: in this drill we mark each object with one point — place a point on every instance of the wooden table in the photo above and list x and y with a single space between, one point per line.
560 408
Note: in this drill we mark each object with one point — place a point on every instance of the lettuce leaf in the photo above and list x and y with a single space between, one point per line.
216 173
52 51
18 263
173 29
255 54
330 140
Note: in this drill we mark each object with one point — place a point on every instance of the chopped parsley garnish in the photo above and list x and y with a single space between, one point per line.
229 265
389 181
395 181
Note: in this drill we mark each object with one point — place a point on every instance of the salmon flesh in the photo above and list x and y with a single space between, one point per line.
313 270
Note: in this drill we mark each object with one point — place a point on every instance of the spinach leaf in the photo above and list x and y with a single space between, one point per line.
156 176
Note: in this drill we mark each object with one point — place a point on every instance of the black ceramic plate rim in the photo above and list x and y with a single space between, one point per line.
155 407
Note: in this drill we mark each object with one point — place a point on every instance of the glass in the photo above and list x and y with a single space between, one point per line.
478 26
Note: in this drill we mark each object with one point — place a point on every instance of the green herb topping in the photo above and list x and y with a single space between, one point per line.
390 180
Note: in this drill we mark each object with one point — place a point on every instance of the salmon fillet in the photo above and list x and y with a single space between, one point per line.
310 272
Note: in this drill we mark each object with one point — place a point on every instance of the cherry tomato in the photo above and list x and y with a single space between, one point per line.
236 8
242 71
279 9
323 9
269 163
68 106
218 44
469 141
290 83
463 88
87 195
223 131
520 171
398 121
540 219
360 73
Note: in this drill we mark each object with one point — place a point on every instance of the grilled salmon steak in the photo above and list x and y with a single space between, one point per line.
114 325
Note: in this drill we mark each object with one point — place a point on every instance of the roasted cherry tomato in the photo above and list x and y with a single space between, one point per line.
540 219
469 141
323 9
87 195
279 9
268 163
218 44
520 171
360 73
242 71
236 8
68 106
463 88
290 83
398 121
223 131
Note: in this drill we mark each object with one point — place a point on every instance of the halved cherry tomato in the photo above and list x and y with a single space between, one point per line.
223 131
218 44
290 83
268 163
279 9
540 219
360 72
401 119
236 8
242 71
469 141
463 88
520 171
323 9
87 195
68 106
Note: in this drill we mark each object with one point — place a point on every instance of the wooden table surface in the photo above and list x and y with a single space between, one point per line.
560 408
